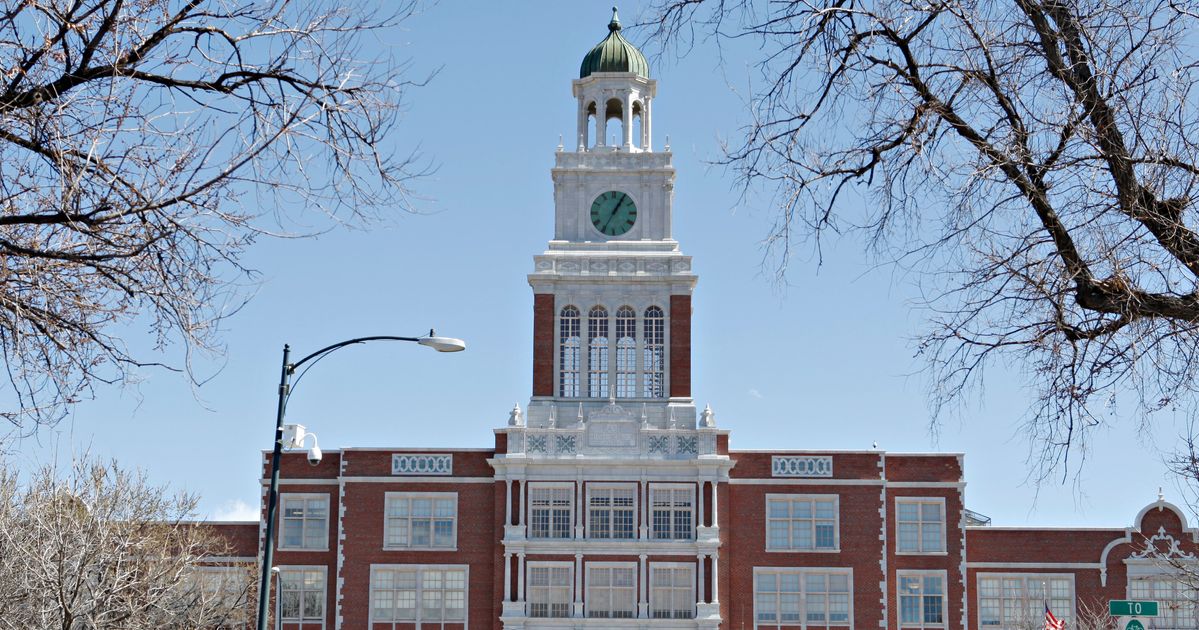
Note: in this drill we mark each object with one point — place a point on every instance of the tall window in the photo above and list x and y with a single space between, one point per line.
612 591
672 514
795 597
654 327
597 352
921 599
305 521
549 590
626 352
1018 601
550 509
421 594
611 512
920 524
672 591
420 521
302 594
569 352
801 523
1177 600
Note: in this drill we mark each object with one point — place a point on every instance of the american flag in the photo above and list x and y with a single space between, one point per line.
1051 622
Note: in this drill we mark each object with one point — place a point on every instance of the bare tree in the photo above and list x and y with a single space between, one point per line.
99 547
144 144
1033 161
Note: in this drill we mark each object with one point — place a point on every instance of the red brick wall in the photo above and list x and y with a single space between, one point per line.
543 344
680 346
363 545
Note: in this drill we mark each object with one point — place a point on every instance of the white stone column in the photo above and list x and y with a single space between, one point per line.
582 121
580 507
578 612
715 578
507 502
626 118
699 578
601 125
643 527
524 506
715 514
520 577
699 506
647 142
643 589
507 577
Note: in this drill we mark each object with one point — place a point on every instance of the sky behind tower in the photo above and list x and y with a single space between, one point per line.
825 361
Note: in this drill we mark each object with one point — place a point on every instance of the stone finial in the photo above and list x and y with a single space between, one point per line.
553 416
580 418
559 143
644 418
667 144
515 418
1160 496
707 419
582 146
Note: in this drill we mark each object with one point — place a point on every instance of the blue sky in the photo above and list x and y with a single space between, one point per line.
825 362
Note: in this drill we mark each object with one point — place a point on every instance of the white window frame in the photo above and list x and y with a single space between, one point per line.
1067 615
410 497
592 487
559 372
304 621
658 487
802 573
921 551
608 566
284 497
530 588
1156 568
419 608
792 498
921 574
536 485
654 567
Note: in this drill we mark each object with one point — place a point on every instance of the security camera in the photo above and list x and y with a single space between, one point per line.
314 455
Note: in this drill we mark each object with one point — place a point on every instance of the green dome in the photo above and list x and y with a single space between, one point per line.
614 54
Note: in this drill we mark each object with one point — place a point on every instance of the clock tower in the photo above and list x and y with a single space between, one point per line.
612 292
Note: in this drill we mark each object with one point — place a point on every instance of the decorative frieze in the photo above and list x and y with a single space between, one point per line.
802 466
421 464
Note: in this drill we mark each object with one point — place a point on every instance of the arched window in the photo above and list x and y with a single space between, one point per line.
626 352
615 123
591 140
597 352
638 130
654 333
568 352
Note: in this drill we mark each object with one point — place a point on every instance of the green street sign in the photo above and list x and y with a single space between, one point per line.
1131 608
1134 625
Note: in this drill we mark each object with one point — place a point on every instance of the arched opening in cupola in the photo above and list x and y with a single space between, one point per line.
637 126
614 117
590 139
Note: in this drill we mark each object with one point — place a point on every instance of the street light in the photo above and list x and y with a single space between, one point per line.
296 434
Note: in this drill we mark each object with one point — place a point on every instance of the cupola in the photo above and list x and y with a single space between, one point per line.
614 54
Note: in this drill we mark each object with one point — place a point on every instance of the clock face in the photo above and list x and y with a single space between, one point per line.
613 213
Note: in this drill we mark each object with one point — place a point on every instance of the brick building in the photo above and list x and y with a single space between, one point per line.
610 501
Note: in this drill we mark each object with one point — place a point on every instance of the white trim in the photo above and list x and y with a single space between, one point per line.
227 559
801 481
693 488
401 480
943 574
419 568
302 482
1033 565
411 496
283 496
944 550
836 548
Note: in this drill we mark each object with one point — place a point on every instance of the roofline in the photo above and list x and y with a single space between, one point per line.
1063 529
846 452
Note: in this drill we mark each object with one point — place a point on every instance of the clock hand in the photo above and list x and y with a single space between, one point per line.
611 217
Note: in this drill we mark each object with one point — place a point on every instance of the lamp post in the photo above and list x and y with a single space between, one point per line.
440 344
